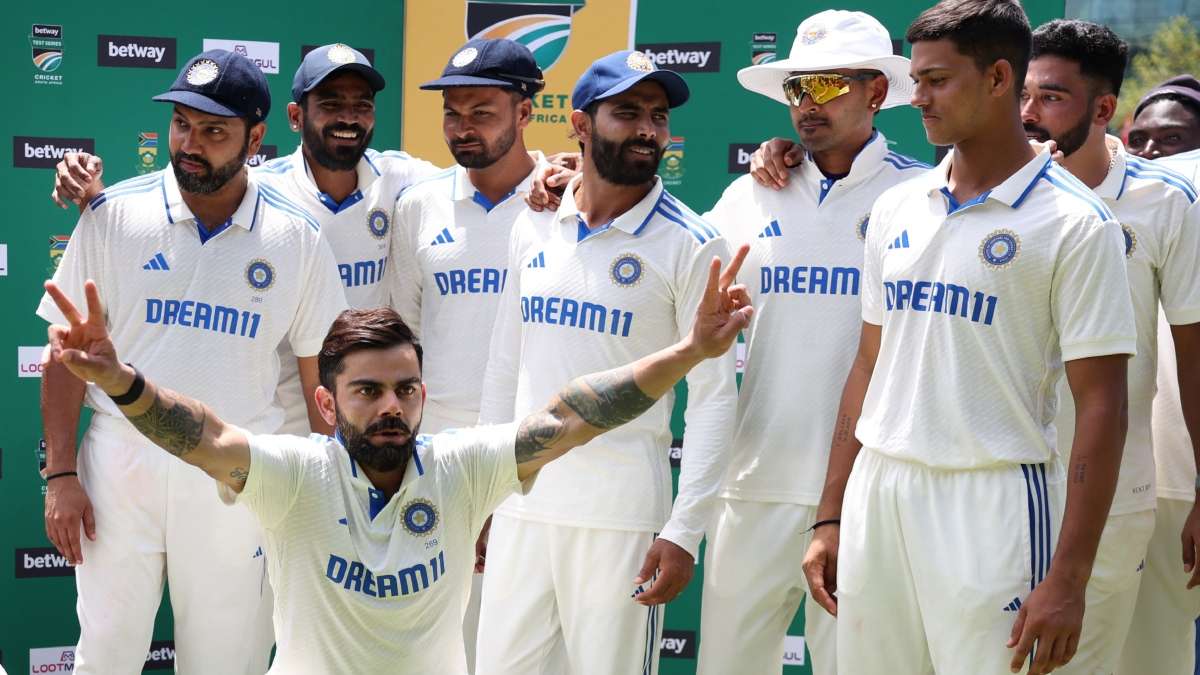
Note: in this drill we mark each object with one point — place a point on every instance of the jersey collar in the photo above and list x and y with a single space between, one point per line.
632 221
246 215
1011 192
1113 185
367 173
868 161
464 189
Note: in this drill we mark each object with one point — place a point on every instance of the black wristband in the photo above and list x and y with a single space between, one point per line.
135 389
827 521
60 474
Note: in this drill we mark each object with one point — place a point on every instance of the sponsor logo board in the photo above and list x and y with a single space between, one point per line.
793 650
135 51
265 154
677 644
43 152
46 45
685 57
52 659
739 156
29 361
265 55
41 562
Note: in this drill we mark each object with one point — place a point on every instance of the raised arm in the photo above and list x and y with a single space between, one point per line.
182 426
590 405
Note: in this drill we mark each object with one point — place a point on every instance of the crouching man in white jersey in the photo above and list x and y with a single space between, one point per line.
981 279
804 270
370 533
207 271
612 275
1070 96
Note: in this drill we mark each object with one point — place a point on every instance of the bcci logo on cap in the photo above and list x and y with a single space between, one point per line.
340 53
377 223
202 72
420 517
813 34
627 270
1000 248
544 27
260 274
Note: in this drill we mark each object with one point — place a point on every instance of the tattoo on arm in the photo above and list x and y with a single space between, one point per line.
1080 473
538 432
842 434
240 474
172 423
606 400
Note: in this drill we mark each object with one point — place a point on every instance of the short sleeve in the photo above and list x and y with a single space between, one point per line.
321 300
404 274
277 470
486 456
1180 273
81 261
1089 296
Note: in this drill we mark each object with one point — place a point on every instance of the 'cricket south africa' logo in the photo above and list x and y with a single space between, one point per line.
543 26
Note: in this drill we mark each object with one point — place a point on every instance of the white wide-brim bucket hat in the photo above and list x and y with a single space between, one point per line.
835 39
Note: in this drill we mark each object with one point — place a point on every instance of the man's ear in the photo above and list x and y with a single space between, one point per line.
295 116
326 405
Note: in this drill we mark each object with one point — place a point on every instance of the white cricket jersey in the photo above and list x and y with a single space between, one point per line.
582 300
803 273
203 313
1161 226
1174 459
980 304
358 232
366 584
450 247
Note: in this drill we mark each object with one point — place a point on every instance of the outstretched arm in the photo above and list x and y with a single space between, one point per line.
182 426
593 404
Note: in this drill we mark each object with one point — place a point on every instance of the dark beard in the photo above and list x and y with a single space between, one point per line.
608 156
1070 140
211 180
338 158
488 156
384 457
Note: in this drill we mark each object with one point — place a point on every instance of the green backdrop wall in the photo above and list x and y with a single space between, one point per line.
96 96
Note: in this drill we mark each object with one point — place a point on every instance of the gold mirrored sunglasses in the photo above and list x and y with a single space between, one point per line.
822 87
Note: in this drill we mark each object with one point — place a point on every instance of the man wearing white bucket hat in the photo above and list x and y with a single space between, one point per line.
804 270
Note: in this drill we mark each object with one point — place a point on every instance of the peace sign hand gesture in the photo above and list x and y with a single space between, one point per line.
84 346
724 310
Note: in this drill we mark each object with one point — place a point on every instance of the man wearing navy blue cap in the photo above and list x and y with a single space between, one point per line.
206 271
454 227
578 568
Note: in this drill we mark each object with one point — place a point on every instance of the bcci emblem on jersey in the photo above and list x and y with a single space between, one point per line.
1000 248
542 26
420 517
377 223
861 228
627 270
260 274
1130 240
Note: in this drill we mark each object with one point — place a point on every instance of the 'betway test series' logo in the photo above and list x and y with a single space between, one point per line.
135 51
685 57
265 55
39 152
46 41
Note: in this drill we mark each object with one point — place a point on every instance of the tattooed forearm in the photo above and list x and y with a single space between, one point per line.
842 433
239 474
538 432
1079 473
606 400
174 424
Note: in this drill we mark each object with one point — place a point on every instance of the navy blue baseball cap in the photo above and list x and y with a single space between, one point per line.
617 72
492 63
324 61
223 83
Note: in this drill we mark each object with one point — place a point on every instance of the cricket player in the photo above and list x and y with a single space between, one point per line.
1163 632
1166 121
370 532
804 271
206 271
612 275
982 281
1070 96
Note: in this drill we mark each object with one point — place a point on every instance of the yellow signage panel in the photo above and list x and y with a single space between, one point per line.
565 36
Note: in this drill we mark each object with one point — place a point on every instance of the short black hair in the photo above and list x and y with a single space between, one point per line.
357 329
1101 55
985 30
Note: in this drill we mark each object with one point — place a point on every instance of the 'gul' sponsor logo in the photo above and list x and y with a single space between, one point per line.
135 51
739 156
265 154
52 660
265 55
37 152
678 644
366 51
29 361
161 656
685 57
41 562
793 650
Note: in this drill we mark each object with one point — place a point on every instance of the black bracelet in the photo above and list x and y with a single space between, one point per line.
827 521
60 474
135 389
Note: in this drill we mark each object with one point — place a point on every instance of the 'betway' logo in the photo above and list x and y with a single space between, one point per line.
739 156
265 154
161 656
685 57
135 51
37 152
678 644
47 31
41 562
